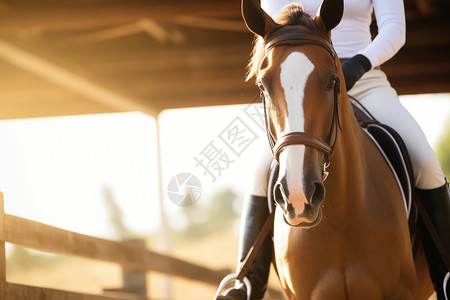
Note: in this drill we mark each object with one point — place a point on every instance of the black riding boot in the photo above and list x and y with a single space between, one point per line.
254 216
437 204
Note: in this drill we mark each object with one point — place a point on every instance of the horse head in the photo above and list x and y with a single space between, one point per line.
297 72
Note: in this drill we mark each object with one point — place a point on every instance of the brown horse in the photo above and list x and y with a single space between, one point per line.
346 237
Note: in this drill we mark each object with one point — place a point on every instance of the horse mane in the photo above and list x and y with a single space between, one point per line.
291 14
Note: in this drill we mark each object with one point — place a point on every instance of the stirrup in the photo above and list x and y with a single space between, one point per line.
444 285
231 278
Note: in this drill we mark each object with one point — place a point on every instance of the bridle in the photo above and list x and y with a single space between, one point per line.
298 35
289 35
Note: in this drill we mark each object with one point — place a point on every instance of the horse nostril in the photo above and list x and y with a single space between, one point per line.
280 195
318 194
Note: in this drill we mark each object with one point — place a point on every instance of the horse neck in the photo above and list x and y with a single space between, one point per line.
346 170
358 172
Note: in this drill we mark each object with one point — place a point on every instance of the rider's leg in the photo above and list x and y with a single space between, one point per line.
375 93
254 214
437 204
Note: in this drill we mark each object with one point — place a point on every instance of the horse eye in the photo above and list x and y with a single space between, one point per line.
331 83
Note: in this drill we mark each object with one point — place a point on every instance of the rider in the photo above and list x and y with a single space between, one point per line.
360 59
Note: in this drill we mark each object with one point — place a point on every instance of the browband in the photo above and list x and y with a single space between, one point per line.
296 35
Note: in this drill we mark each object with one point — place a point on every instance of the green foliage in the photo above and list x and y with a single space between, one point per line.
218 215
443 151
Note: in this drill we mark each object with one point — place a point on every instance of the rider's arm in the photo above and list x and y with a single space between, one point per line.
390 17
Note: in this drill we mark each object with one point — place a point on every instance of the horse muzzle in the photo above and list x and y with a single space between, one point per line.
300 209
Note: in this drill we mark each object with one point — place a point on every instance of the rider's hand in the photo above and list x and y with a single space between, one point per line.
354 68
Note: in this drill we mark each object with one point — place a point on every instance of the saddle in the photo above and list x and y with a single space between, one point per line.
394 150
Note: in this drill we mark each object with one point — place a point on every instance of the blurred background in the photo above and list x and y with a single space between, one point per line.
107 107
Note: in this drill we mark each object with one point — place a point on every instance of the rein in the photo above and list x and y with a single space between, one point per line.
292 36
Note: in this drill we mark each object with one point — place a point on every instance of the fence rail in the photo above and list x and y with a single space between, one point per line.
47 238
13 291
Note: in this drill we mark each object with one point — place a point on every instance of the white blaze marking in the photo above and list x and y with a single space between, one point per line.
295 71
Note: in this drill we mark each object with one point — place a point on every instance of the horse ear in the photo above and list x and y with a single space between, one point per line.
329 14
256 19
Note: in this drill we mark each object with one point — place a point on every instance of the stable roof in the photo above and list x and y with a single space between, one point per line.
98 56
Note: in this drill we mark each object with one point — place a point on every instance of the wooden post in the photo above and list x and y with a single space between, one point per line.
133 282
2 250
165 233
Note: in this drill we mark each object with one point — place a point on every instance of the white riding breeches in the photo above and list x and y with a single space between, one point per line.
375 93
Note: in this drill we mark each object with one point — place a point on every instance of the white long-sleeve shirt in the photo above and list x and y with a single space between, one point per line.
352 35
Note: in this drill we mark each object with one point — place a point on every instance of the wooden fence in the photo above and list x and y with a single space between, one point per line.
47 238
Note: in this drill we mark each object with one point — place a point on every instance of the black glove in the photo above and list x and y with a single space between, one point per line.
354 68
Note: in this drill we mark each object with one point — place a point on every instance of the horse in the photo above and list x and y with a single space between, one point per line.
345 237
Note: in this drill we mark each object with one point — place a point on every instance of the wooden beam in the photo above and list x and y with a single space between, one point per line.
418 85
60 15
148 26
69 80
210 23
